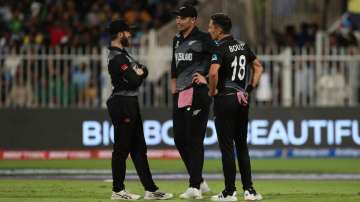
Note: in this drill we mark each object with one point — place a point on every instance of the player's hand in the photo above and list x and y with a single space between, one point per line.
199 79
139 71
243 98
249 89
145 70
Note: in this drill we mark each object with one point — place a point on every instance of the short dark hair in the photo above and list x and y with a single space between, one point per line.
223 21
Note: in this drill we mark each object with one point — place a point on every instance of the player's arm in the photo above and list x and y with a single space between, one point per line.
173 71
133 77
216 61
207 50
208 46
257 69
213 79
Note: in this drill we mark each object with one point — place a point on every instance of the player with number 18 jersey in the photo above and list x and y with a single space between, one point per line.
234 57
234 72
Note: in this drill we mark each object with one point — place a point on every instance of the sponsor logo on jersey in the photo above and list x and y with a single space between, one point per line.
183 57
192 42
196 112
214 57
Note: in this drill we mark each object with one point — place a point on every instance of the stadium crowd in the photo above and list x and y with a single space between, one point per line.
74 22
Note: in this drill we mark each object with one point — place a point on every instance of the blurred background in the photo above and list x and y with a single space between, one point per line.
54 82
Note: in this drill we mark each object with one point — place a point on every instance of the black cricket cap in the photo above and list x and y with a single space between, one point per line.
118 26
186 11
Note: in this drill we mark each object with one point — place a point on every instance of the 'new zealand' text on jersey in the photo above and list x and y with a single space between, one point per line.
234 57
190 55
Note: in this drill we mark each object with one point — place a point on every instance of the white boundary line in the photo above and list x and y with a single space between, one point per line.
131 175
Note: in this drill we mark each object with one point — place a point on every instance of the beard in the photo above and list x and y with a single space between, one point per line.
125 42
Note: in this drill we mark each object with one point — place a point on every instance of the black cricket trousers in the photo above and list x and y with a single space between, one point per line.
190 125
128 138
231 122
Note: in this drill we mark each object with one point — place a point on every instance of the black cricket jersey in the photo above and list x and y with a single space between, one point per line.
121 68
234 57
190 55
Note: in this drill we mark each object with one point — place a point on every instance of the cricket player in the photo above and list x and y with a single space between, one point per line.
230 83
190 64
123 107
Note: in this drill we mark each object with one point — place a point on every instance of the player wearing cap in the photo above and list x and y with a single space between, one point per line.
190 63
123 107
230 82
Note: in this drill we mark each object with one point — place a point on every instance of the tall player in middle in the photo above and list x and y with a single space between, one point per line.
190 64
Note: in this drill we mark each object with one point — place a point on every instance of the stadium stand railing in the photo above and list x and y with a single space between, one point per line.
69 77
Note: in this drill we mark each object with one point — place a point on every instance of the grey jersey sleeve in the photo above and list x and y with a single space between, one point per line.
173 62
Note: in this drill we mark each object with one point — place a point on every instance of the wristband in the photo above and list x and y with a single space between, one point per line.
249 89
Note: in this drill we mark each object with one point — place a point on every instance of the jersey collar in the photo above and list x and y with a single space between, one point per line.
112 48
227 38
194 31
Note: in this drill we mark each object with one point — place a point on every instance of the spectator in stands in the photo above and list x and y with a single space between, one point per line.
21 94
80 79
58 34
332 89
91 98
305 38
76 22
263 91
346 35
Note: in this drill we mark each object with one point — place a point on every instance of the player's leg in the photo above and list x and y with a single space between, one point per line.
225 127
243 155
121 149
197 118
138 151
242 148
180 128
193 191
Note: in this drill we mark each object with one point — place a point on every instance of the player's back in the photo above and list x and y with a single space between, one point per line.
235 57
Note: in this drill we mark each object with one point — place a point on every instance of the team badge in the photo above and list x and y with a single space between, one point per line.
124 67
177 44
214 57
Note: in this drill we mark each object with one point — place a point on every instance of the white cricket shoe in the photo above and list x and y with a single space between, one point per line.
157 195
251 195
124 195
222 197
204 187
191 193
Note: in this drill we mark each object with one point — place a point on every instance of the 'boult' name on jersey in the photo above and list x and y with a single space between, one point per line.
236 47
183 56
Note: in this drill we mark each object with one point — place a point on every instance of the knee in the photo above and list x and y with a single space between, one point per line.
121 152
179 143
138 150
179 139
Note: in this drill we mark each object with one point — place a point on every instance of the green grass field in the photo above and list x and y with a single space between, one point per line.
273 190
68 190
